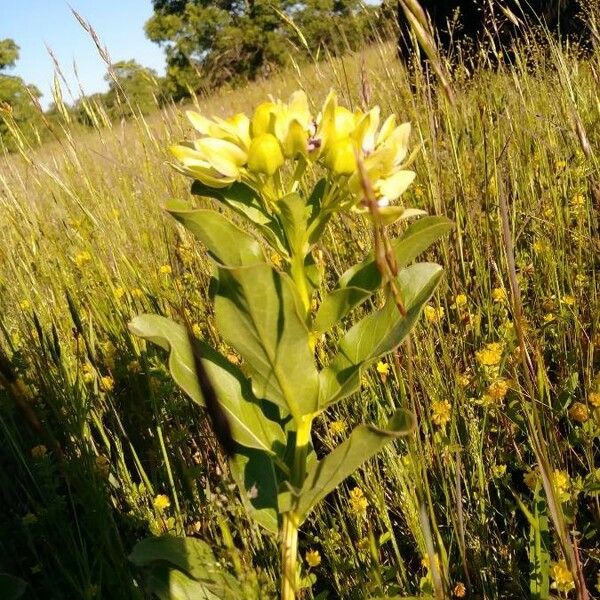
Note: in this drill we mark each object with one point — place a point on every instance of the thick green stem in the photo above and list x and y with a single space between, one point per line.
289 557
289 538
298 273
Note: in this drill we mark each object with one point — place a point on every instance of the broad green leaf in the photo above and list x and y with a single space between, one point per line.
250 426
363 443
378 333
256 476
226 242
11 587
416 239
190 555
171 584
257 313
184 566
337 305
246 202
293 214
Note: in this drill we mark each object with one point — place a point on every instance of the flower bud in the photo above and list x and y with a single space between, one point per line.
265 154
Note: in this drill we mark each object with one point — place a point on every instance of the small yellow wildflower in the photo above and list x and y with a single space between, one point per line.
499 295
39 451
313 558
161 502
539 247
165 270
25 304
549 317
440 412
460 301
490 355
29 519
83 258
463 380
433 314
562 578
107 383
459 591
498 471
579 412
568 300
560 165
137 293
594 399
562 484
358 503
383 369
88 373
337 427
577 202
197 330
498 389
119 293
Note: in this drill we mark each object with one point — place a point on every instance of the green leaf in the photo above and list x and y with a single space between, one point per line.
171 584
378 333
226 242
250 425
11 587
416 239
257 313
363 443
246 202
337 305
293 216
256 475
184 565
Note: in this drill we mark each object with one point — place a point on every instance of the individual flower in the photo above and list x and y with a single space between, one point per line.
82 258
440 412
25 304
434 314
107 383
337 427
383 369
568 300
499 295
313 558
460 301
594 399
165 269
161 502
459 591
490 355
39 451
579 412
496 392
358 503
562 484
562 579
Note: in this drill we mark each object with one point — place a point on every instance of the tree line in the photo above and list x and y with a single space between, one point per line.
207 45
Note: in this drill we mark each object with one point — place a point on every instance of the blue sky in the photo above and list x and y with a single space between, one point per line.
118 23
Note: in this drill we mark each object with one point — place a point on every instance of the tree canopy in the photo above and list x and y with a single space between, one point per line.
211 43
16 104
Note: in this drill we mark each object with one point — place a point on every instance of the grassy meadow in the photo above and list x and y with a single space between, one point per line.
99 449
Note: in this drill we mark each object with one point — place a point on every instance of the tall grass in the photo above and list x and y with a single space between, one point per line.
99 449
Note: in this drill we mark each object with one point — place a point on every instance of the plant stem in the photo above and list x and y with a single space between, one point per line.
289 539
289 557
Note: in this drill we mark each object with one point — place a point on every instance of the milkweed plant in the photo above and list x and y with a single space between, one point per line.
274 303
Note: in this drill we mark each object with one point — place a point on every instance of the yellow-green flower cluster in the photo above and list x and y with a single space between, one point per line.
255 149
